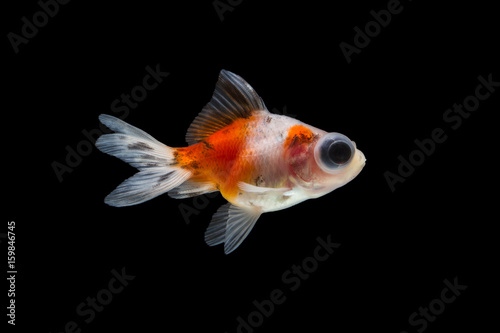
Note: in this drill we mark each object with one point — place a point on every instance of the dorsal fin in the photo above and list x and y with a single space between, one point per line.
233 98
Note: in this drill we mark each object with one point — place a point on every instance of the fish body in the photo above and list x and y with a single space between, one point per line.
249 151
259 161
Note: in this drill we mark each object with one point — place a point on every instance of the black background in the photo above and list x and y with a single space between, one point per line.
397 247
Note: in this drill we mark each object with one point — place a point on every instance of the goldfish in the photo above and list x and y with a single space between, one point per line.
259 161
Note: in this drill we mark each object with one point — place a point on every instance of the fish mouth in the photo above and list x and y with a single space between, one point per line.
362 157
361 161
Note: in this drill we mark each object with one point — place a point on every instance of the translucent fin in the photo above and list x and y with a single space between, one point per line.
119 126
146 185
191 189
233 98
158 170
216 230
138 152
230 225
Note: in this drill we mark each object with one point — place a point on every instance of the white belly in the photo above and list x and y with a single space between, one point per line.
273 200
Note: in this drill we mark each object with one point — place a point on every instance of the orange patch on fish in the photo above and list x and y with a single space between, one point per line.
298 134
218 158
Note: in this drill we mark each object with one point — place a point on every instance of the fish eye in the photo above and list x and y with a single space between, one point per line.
333 152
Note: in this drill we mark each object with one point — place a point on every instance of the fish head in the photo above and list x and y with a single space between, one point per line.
324 163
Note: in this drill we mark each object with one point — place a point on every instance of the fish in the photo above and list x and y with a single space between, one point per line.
259 161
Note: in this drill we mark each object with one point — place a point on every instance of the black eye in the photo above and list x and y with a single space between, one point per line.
333 152
339 152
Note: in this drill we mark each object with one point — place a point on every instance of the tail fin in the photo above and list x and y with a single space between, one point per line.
158 169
